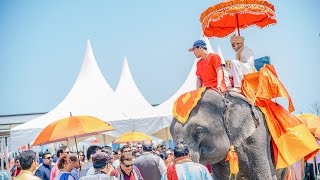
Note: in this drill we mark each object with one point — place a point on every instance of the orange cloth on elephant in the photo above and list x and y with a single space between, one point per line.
207 71
185 103
291 138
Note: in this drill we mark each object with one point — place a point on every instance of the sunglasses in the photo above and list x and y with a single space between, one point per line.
127 165
48 157
234 44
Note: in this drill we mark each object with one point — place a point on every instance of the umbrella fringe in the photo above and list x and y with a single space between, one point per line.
207 22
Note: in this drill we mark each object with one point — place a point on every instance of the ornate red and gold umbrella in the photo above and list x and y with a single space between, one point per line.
224 18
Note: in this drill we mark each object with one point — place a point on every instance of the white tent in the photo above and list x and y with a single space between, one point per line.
90 95
141 115
133 102
189 84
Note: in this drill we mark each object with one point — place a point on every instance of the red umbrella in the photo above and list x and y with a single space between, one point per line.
224 18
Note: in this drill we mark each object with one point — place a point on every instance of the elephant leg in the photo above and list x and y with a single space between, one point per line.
258 154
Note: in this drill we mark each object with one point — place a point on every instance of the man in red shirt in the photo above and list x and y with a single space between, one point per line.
209 67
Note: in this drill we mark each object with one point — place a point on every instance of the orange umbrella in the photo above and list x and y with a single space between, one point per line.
312 122
224 18
132 137
73 126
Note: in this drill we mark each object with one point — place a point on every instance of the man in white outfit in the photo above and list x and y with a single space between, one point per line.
243 64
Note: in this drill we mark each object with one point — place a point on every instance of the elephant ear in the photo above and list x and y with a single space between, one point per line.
241 118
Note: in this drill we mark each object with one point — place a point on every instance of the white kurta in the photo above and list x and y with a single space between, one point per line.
244 66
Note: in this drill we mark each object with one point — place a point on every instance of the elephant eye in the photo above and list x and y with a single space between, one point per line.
199 129
198 133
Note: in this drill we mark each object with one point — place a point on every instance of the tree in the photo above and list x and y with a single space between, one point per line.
315 108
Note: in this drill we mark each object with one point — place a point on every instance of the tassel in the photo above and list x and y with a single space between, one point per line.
232 157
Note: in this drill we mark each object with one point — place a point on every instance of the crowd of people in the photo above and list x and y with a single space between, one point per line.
130 162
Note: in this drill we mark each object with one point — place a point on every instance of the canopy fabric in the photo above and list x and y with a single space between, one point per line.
90 95
133 103
291 139
224 18
141 116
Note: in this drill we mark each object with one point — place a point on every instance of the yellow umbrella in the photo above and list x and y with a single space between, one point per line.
312 122
133 137
163 134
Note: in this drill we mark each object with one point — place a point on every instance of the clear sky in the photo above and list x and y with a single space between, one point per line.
42 45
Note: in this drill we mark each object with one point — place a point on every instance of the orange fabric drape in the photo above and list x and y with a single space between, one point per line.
291 138
185 103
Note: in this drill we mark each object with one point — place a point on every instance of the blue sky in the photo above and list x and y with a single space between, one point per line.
42 44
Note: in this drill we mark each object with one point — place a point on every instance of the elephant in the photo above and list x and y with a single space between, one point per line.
220 120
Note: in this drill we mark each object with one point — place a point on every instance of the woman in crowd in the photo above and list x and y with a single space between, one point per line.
16 169
82 158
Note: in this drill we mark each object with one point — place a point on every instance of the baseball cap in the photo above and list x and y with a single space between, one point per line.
198 43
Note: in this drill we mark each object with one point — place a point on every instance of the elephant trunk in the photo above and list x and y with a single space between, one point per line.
194 154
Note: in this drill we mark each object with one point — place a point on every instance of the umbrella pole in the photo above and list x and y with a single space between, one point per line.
75 140
237 25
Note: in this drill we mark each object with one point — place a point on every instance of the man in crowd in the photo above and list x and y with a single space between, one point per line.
44 171
106 149
152 167
184 168
102 167
127 170
28 165
91 150
124 149
139 147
